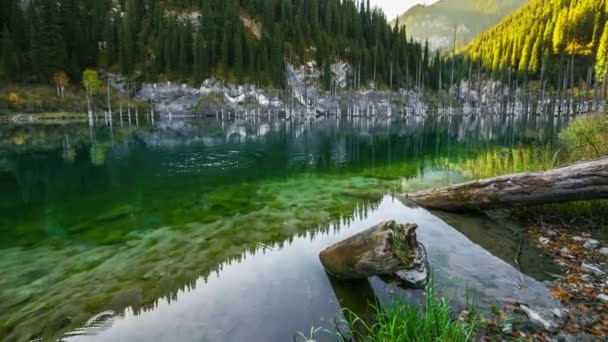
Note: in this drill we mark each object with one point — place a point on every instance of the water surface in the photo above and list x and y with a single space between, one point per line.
210 230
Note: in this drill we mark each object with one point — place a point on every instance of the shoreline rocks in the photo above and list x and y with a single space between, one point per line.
582 289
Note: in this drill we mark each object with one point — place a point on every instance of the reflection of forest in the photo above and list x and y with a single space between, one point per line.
185 189
502 161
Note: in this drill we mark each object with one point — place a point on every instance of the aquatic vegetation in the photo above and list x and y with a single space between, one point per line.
115 225
240 220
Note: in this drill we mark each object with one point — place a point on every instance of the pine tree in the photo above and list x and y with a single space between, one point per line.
238 55
109 38
154 37
200 60
52 52
225 48
126 48
8 60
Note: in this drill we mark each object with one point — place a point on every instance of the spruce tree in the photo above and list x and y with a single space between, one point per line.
8 60
238 55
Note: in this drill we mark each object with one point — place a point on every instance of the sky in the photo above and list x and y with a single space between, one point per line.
393 8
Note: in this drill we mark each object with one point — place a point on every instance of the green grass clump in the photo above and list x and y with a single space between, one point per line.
434 321
586 138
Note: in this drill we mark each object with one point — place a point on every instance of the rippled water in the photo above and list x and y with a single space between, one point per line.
210 230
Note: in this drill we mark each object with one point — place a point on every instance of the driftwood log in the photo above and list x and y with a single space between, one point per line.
387 249
581 181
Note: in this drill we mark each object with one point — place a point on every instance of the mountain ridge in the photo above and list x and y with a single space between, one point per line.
544 33
436 22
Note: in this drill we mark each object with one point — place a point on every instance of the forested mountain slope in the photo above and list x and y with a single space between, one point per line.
546 36
471 17
191 40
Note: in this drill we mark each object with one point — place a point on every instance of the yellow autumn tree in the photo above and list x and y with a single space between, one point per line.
61 81
90 80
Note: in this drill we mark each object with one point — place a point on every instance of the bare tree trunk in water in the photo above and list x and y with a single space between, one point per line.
542 85
452 77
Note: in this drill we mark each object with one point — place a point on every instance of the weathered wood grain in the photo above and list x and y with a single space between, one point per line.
586 180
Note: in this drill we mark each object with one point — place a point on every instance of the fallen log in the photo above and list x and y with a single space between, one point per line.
387 249
581 181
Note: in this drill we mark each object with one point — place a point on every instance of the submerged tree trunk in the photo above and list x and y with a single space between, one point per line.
581 181
387 249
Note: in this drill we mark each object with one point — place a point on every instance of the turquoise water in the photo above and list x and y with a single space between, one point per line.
206 230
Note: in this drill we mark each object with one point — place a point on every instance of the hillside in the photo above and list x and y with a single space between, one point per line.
192 40
437 21
568 35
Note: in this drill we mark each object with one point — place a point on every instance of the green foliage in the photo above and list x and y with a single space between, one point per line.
401 322
586 138
90 80
546 31
244 40
601 66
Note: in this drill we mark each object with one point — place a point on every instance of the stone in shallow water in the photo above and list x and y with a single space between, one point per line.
543 240
578 239
604 250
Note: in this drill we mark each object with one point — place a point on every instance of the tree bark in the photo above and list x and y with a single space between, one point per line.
384 249
581 181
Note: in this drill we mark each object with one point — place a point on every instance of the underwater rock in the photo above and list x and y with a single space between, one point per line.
383 250
604 251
